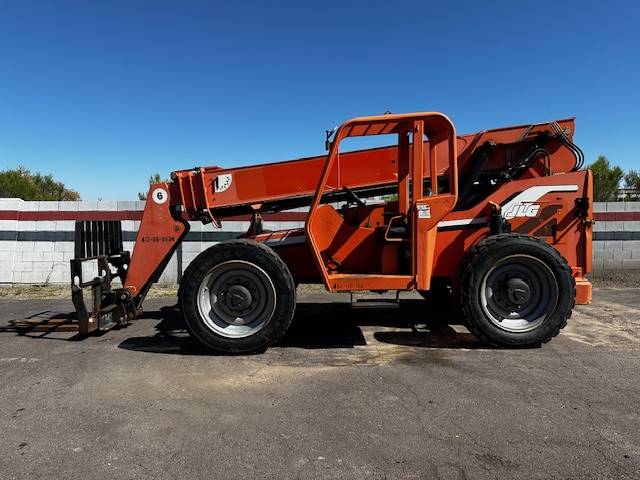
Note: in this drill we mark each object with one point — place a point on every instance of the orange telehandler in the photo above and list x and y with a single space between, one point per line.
501 218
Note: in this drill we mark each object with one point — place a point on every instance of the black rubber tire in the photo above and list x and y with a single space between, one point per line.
479 261
259 255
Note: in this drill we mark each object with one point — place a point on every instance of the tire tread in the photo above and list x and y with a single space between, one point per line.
234 250
467 277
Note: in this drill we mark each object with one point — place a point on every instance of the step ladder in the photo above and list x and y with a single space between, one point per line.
362 300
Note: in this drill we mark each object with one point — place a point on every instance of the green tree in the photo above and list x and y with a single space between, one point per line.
155 178
632 181
21 183
606 180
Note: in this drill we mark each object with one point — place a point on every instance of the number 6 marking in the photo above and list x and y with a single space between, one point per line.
159 195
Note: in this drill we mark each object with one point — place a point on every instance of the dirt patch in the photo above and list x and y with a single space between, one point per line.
35 291
605 323
618 279
64 291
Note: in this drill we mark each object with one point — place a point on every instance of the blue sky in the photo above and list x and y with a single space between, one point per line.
103 94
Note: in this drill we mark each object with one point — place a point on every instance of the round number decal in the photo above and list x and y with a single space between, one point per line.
159 195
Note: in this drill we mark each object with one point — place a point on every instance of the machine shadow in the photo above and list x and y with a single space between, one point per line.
320 325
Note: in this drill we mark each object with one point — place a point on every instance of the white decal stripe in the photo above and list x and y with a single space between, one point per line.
527 196
461 223
532 194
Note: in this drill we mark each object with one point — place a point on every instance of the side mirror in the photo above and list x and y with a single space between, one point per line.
328 135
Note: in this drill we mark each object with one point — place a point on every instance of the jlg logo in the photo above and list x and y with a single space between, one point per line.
521 210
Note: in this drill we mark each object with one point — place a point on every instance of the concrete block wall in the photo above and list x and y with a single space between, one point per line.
37 238
616 236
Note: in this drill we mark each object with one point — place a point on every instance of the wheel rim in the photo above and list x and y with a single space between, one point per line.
236 299
519 293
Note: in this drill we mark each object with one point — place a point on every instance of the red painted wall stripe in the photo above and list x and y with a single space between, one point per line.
617 216
131 215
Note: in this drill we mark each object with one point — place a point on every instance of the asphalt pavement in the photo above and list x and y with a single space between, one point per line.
347 394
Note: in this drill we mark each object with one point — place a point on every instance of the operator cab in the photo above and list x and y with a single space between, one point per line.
397 233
